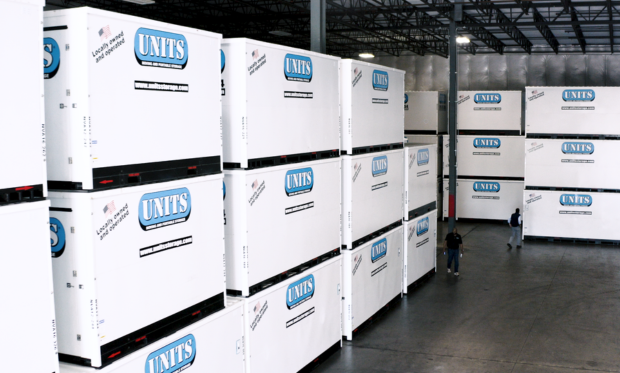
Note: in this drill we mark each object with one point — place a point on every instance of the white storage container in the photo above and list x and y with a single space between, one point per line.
576 215
117 252
484 199
496 111
572 163
440 197
426 112
420 247
420 180
22 143
372 277
442 151
278 102
129 100
488 156
572 110
215 344
291 324
372 105
28 323
279 220
372 195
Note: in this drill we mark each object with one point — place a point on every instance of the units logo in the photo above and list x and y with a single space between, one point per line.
576 200
160 49
422 226
406 98
297 68
486 186
298 181
224 188
578 95
423 157
577 148
487 98
487 142
175 357
378 250
161 209
58 237
51 58
379 166
380 80
300 292
222 61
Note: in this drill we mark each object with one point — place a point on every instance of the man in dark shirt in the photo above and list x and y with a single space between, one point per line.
453 242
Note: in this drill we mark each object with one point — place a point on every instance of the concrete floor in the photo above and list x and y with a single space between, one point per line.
547 307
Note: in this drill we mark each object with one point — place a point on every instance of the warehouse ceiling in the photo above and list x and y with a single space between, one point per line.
396 27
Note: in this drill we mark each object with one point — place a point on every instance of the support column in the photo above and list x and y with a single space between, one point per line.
452 98
317 26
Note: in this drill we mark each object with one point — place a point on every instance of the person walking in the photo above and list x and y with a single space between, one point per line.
453 242
515 224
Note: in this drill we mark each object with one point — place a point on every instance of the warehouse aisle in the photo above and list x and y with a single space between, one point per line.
544 308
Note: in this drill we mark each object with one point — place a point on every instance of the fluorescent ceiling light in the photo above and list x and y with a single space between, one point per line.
367 55
141 2
280 33
462 39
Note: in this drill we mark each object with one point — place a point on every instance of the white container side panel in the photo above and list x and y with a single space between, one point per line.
492 156
485 199
561 214
572 163
294 322
22 144
155 86
420 186
372 193
372 276
420 247
28 313
143 236
426 111
278 218
277 101
429 139
214 344
372 105
572 110
489 110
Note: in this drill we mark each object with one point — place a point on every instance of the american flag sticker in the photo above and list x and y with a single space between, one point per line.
254 184
257 307
105 32
355 71
109 209
255 54
461 96
534 92
533 195
355 167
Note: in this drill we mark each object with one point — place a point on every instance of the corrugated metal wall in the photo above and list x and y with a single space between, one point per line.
507 72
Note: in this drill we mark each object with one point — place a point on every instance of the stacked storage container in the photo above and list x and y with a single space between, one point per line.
420 213
372 188
282 200
28 321
489 155
134 169
571 146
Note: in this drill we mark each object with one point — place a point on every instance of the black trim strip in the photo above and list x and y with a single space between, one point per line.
425 277
504 178
382 311
54 28
25 193
376 148
144 173
279 160
321 358
375 234
593 241
422 210
491 132
572 136
286 274
569 189
138 339
61 209
420 132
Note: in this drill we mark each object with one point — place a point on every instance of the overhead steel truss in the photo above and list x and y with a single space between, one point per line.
384 27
